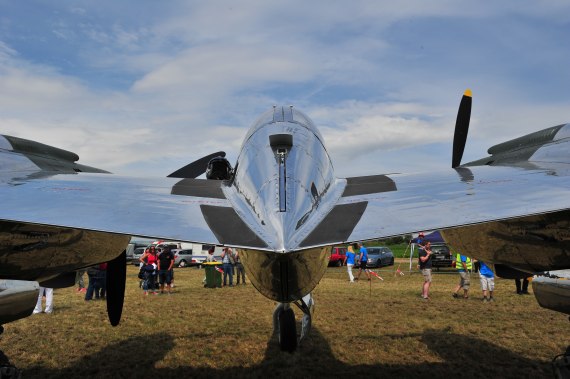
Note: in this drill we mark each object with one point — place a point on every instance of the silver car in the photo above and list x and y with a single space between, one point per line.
183 258
379 256
137 254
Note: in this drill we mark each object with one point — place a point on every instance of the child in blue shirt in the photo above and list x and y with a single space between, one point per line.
487 281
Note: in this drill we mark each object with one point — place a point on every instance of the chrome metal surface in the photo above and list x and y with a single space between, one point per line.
285 277
107 203
37 252
533 244
439 200
17 299
255 190
285 204
552 293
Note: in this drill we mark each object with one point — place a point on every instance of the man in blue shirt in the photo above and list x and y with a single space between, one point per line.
362 261
487 281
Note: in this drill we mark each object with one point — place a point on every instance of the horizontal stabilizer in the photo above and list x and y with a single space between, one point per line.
25 146
196 168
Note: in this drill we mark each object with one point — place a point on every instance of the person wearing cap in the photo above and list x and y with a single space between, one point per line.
165 265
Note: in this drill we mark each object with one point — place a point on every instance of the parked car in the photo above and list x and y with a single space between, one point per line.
137 254
183 258
379 256
337 256
131 247
441 255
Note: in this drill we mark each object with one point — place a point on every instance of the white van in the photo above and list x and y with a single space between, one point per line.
200 253
194 253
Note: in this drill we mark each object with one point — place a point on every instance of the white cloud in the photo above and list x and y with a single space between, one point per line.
194 76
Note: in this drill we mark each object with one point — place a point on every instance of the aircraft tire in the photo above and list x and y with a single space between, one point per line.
287 330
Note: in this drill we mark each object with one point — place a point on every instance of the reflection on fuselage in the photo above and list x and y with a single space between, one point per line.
285 277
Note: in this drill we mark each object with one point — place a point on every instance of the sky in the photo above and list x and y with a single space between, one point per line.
144 87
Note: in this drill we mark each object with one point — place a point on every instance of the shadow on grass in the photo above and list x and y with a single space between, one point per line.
460 355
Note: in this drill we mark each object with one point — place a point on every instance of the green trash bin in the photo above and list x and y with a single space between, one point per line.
213 276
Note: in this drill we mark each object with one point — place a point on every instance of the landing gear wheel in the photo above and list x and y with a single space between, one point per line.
287 330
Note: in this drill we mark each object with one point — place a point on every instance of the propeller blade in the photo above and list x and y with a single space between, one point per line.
116 278
461 128
196 168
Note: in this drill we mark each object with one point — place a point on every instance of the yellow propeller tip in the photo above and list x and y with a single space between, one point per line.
467 93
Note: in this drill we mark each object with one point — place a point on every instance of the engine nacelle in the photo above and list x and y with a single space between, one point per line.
219 169
553 292
18 299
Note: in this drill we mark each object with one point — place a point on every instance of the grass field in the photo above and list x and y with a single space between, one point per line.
378 329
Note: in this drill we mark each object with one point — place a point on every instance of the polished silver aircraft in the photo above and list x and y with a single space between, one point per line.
282 206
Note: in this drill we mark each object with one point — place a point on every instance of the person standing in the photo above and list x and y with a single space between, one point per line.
165 264
79 280
210 257
227 264
487 281
464 267
362 261
101 283
239 268
349 262
425 267
149 257
522 288
48 292
94 282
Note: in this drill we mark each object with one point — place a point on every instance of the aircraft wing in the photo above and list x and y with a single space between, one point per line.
369 208
523 177
111 203
452 198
